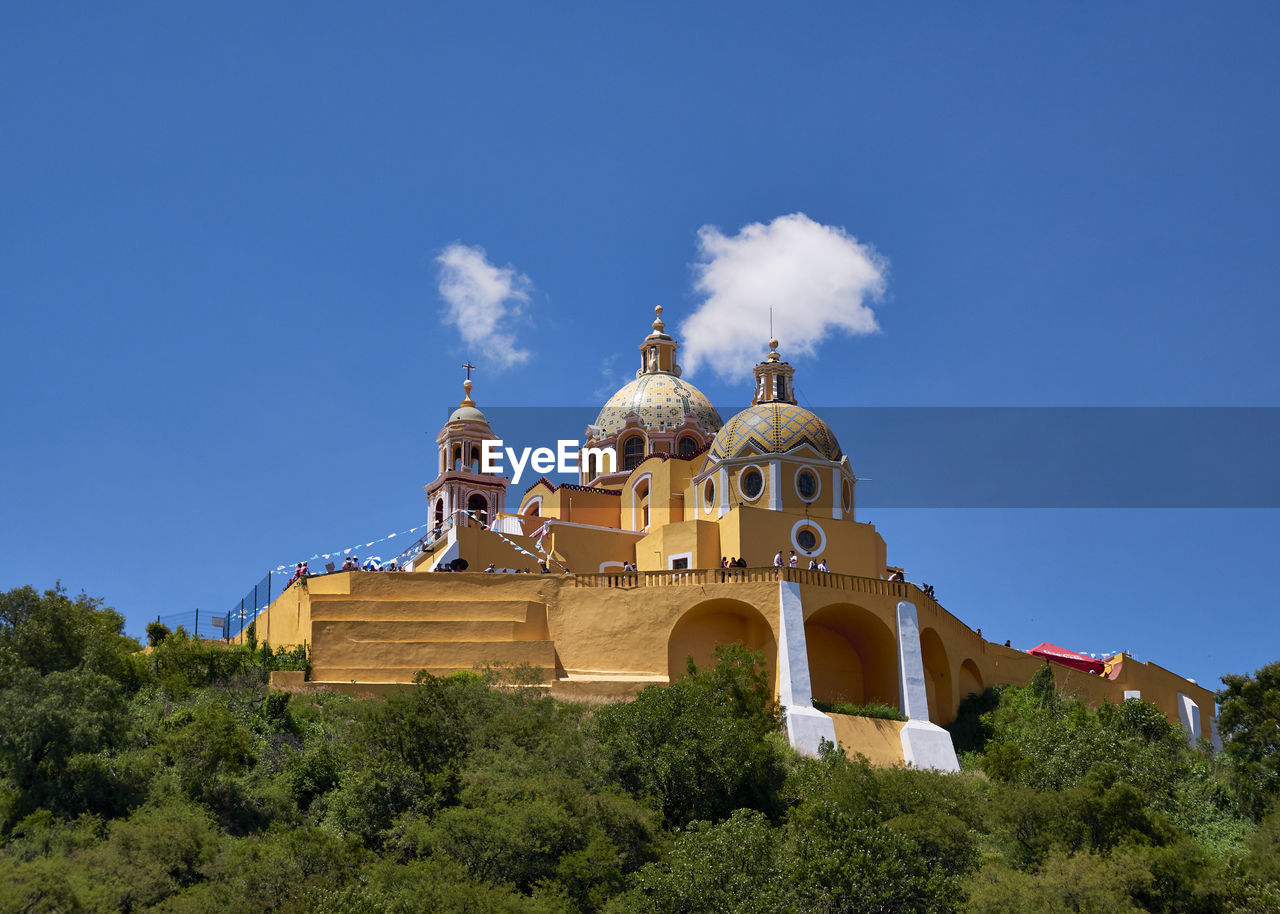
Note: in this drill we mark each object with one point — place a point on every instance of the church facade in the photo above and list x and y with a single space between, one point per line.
636 582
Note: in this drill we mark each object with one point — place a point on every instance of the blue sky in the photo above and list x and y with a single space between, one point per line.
225 347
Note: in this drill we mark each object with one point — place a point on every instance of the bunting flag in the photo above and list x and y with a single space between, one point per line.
518 548
279 569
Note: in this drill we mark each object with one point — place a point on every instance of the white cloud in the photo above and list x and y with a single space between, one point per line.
817 278
482 299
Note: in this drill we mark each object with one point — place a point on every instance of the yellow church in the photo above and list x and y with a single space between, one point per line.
635 580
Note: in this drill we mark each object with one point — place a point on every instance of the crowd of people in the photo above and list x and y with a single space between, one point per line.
793 561
352 563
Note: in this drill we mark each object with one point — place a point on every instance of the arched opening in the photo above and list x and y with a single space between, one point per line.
687 445
478 505
457 457
970 680
439 513
642 504
937 677
632 452
720 622
853 656
473 458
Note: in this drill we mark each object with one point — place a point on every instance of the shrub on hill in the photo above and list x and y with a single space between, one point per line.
176 780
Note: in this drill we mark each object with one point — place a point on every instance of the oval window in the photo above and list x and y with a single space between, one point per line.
709 493
846 496
752 483
807 484
806 539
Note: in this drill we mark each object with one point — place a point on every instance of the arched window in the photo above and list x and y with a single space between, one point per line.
457 457
439 513
642 504
478 505
687 445
632 452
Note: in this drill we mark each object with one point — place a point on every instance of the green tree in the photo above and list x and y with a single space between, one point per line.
699 747
1249 724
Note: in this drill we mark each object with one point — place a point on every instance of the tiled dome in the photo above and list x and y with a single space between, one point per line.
659 400
774 428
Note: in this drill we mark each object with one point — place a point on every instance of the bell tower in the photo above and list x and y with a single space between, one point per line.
462 494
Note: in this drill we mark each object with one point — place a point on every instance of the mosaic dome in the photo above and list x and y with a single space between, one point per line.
774 428
659 400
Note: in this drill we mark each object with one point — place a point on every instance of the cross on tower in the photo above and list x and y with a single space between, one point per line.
469 367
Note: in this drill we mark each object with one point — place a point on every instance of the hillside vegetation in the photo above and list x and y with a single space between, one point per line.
174 780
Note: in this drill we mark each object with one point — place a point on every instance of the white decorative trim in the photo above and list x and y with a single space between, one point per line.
1189 717
634 485
912 696
743 472
822 538
837 494
807 727
795 482
724 491
671 560
605 566
775 486
536 500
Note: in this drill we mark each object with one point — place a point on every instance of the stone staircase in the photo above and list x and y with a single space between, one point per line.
388 628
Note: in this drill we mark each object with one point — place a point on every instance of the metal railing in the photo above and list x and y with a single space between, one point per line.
695 577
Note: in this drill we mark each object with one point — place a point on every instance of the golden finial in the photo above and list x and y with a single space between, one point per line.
773 350
657 318
466 385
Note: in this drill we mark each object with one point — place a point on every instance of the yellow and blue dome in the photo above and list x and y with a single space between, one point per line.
659 400
774 428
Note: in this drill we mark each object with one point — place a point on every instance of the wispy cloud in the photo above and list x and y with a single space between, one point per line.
610 378
482 299
818 279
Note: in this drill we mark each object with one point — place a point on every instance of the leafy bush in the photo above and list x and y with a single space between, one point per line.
875 709
177 781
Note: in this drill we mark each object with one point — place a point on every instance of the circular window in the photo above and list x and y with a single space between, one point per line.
846 496
751 483
709 494
807 484
808 537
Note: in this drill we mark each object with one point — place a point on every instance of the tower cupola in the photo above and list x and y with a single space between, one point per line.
658 351
773 379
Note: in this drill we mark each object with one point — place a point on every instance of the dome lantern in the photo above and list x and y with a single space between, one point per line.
773 379
658 351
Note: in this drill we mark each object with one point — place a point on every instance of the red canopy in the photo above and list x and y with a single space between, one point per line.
1068 658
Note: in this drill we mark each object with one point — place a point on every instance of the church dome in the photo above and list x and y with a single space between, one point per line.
774 428
659 399
467 414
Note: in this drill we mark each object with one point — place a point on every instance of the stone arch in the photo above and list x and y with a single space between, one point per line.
938 681
720 622
853 655
478 505
969 680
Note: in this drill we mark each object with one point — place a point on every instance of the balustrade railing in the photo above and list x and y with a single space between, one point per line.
697 577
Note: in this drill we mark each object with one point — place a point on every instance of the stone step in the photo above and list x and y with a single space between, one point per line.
330 632
383 661
334 609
